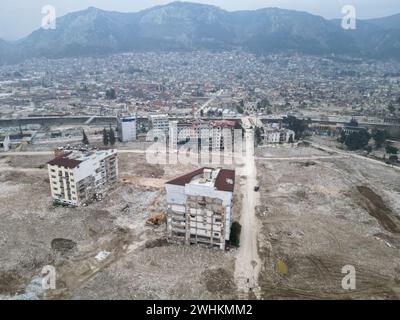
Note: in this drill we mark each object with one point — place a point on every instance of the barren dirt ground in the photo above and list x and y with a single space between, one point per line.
140 264
317 212
320 215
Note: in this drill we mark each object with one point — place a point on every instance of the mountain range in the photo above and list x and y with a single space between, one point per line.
190 26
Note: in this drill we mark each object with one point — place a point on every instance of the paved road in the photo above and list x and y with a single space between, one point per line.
212 99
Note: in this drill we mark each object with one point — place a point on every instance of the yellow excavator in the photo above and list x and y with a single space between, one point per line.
157 220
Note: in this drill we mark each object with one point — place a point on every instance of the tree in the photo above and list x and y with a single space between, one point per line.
264 103
391 150
342 137
297 125
112 136
258 132
393 159
234 239
379 137
353 122
105 137
391 108
368 149
111 94
357 140
85 139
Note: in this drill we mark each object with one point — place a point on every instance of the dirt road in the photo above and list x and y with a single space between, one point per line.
247 260
351 154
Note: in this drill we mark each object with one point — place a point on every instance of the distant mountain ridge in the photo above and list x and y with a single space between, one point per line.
192 26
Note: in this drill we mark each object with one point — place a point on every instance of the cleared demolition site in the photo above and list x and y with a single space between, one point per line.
320 212
315 212
103 250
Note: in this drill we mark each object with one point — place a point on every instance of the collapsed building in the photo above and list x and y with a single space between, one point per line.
274 133
200 207
77 177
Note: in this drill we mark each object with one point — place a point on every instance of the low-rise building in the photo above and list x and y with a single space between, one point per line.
78 177
200 207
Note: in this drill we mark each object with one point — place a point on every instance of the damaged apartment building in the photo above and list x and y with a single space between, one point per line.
78 177
200 207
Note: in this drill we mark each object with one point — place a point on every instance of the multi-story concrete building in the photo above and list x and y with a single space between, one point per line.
159 126
127 129
272 135
6 143
218 133
222 134
200 207
78 177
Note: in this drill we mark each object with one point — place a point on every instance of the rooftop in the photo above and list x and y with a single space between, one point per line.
72 159
65 162
220 179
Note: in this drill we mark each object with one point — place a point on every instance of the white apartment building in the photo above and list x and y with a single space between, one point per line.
78 177
278 135
200 207
159 126
6 143
219 133
127 129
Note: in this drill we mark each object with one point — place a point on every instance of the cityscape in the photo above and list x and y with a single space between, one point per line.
215 172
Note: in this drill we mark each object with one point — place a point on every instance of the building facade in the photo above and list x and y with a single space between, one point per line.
217 134
273 136
127 129
78 177
159 126
200 207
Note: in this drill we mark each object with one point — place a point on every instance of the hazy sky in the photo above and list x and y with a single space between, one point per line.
20 17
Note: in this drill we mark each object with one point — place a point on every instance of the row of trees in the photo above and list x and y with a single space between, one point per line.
299 126
380 137
356 140
108 137
393 154
360 140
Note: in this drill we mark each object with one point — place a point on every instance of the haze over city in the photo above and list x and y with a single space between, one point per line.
20 17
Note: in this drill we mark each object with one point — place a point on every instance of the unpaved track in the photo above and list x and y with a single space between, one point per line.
349 154
247 260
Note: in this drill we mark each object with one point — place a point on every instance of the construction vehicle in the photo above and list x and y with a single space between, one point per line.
157 220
